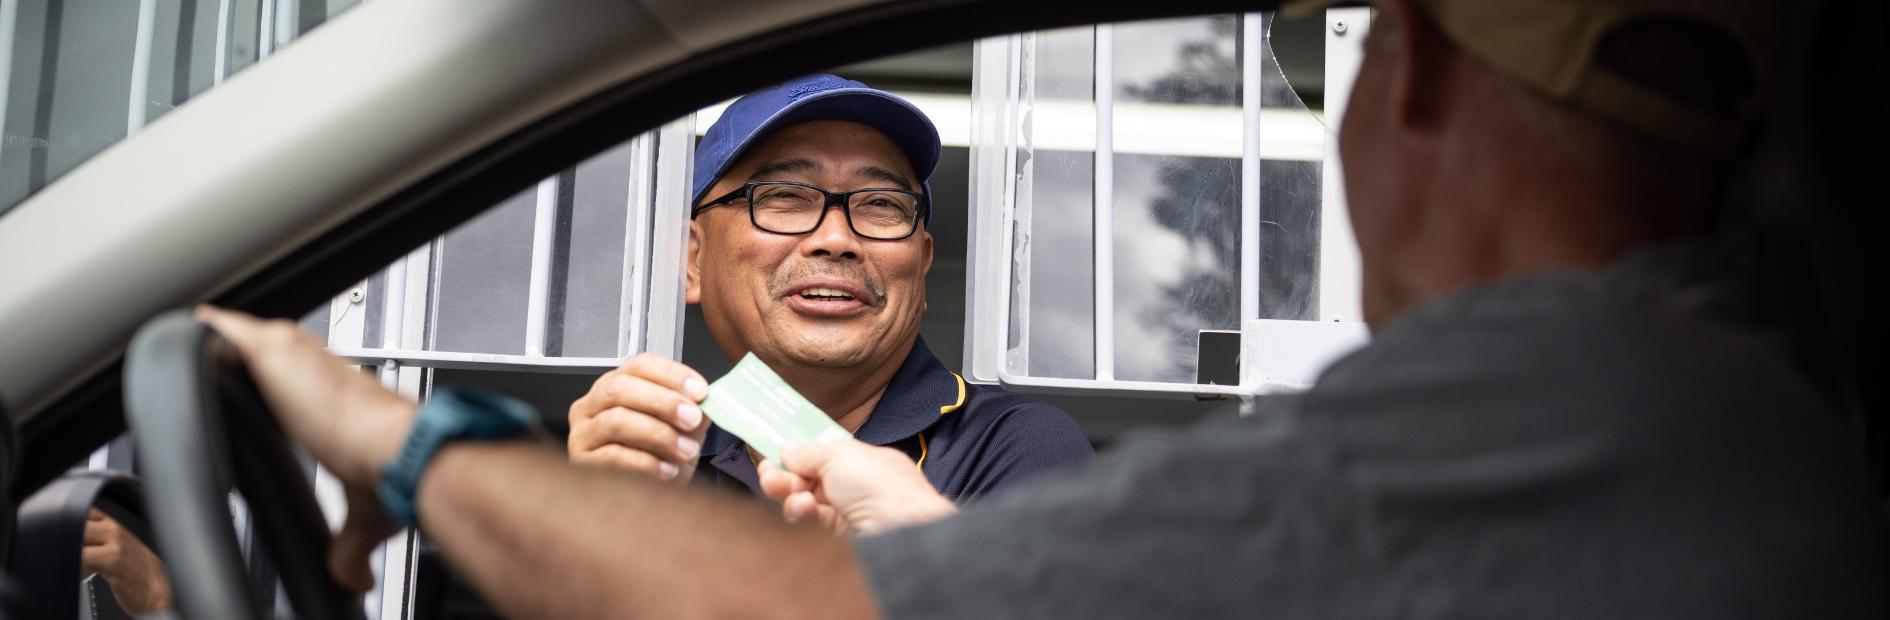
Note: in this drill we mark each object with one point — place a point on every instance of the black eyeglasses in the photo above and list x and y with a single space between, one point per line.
796 209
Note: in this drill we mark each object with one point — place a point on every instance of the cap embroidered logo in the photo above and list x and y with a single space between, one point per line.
809 89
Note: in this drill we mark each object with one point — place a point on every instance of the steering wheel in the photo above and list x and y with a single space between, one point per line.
202 428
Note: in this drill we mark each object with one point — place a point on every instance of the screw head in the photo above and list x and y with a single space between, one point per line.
354 296
1338 27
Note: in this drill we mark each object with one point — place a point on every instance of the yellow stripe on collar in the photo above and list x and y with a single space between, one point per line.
961 397
942 411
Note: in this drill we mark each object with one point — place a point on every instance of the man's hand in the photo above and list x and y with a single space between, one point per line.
848 485
642 417
348 422
135 574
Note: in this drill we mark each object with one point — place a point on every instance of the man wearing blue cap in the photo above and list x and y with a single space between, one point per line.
808 248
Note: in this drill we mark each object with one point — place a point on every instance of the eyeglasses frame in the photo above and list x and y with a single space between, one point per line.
843 199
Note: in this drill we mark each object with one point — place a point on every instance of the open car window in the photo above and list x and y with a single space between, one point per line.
81 76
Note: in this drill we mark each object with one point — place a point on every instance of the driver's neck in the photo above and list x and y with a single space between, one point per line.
848 394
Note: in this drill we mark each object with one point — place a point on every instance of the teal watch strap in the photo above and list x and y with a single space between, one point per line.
452 413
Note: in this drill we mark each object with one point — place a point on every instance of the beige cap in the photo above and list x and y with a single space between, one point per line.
1689 73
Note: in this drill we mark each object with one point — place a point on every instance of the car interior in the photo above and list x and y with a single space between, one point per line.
450 194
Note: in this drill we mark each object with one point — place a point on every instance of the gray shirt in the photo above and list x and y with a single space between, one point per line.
1575 445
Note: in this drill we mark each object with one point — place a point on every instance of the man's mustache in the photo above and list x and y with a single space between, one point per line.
800 270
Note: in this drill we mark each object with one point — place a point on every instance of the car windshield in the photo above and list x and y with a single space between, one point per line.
80 76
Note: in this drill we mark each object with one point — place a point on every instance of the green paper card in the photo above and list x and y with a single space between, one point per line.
756 405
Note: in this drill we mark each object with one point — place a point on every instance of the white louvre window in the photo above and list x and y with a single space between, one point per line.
571 276
1151 201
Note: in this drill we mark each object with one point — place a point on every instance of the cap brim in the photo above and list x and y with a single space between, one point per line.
904 124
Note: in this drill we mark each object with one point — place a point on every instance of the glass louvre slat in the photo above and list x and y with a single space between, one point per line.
1058 215
1177 217
482 280
590 302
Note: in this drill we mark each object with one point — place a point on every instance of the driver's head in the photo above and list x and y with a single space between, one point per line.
1490 138
781 270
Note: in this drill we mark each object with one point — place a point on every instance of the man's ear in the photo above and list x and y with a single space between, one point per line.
925 265
925 269
1421 61
693 269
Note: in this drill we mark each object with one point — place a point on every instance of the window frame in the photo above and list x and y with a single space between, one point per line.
1277 356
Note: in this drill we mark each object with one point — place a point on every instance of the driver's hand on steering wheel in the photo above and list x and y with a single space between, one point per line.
348 422
135 574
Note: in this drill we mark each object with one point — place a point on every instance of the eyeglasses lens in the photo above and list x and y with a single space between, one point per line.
793 209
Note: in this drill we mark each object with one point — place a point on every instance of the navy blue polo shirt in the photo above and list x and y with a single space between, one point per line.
970 440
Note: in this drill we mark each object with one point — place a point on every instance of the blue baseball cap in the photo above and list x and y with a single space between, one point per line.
818 97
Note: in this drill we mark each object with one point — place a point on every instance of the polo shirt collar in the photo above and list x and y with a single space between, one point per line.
919 394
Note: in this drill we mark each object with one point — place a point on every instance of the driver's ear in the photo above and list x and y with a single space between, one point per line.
693 292
1422 53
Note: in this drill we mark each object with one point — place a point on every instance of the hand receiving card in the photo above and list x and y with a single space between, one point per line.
756 405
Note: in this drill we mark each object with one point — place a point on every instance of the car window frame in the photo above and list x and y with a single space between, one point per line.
91 413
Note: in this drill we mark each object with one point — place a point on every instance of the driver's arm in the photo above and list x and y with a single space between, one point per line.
541 538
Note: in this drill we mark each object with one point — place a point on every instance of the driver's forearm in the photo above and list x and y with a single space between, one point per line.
544 539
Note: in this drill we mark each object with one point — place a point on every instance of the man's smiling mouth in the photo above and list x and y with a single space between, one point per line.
821 293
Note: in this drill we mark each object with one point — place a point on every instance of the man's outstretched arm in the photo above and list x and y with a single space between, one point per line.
541 538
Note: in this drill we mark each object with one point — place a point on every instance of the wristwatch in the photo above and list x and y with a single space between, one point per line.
452 413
